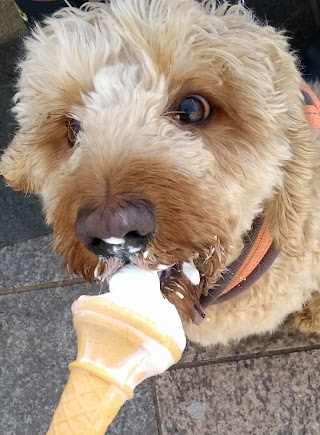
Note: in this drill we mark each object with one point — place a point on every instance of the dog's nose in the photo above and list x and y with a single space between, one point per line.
120 230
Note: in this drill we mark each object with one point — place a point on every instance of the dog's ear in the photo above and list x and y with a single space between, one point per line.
18 167
291 206
290 210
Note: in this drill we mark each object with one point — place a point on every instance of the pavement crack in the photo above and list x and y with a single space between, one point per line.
41 286
245 356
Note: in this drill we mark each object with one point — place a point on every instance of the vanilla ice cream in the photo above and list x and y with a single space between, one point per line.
139 290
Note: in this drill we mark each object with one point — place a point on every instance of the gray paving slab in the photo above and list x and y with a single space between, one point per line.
37 341
29 263
20 216
11 24
12 29
284 339
7 123
277 395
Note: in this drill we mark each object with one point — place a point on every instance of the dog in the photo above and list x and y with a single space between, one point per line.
171 134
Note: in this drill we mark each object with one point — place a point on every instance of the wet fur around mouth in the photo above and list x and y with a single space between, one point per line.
175 284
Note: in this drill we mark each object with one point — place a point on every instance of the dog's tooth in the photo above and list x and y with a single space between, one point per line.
191 272
133 250
145 254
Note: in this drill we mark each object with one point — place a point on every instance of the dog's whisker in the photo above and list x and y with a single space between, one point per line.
47 246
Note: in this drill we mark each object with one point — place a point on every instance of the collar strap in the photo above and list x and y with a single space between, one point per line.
258 254
311 105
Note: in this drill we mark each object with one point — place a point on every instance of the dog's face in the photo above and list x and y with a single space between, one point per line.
154 133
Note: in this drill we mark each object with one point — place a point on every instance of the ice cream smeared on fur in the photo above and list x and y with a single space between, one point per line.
107 267
179 283
191 272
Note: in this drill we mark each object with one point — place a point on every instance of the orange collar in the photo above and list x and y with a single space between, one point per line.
311 105
259 251
258 254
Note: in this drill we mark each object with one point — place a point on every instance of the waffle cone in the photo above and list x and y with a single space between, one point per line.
117 349
87 406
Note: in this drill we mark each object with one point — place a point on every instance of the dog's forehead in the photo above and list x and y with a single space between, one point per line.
175 47
177 39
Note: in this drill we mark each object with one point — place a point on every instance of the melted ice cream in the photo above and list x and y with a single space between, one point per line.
191 272
139 290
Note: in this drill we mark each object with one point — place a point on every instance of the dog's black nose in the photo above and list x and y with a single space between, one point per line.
121 229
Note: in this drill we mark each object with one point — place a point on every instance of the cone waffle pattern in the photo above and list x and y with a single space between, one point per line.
117 349
88 405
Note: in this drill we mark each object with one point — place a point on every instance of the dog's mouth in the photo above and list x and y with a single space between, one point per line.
180 283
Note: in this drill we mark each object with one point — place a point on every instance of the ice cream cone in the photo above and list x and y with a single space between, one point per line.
117 349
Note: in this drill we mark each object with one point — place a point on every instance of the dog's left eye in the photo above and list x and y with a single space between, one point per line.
194 109
73 127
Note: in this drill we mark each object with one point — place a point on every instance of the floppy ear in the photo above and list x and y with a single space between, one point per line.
290 208
289 211
17 166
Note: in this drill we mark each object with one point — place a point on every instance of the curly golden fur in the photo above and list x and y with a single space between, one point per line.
121 70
